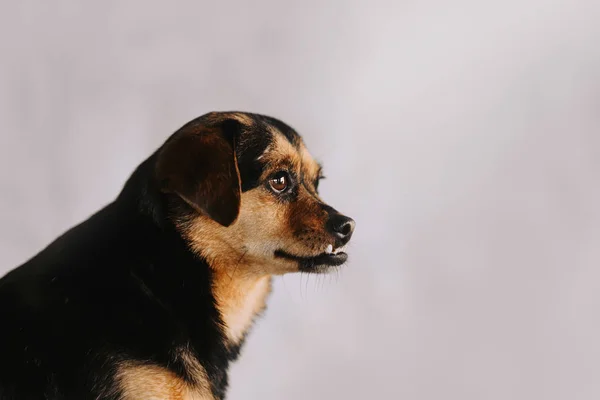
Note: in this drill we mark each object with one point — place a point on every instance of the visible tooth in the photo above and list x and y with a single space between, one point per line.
339 250
329 249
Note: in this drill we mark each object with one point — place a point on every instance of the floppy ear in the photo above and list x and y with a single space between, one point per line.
199 164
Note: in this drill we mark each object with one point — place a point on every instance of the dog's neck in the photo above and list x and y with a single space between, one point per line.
240 283
240 298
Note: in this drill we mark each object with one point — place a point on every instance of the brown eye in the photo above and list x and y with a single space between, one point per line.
280 182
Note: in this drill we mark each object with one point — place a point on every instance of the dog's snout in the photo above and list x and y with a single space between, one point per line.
342 227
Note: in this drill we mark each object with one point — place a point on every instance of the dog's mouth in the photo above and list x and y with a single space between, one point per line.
329 258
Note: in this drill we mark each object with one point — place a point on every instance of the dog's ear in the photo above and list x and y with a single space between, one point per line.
199 164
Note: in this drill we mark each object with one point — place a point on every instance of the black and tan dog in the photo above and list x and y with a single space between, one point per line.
151 297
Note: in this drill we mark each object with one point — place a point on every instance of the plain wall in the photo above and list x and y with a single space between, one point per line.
462 136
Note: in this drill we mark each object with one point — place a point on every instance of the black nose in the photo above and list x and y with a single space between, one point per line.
342 227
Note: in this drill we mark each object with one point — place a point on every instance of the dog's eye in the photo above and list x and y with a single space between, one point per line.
280 181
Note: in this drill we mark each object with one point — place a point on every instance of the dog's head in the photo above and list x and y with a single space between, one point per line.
244 193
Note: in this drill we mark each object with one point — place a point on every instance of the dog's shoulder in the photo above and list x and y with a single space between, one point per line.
104 308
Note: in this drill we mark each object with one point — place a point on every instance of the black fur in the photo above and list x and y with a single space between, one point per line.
290 134
121 285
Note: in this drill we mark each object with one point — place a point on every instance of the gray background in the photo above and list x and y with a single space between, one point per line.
463 137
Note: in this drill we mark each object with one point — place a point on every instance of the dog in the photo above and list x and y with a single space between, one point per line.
152 297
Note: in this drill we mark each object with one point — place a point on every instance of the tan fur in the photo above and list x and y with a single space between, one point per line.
240 297
194 369
151 382
263 226
242 260
241 118
310 166
242 278
242 255
220 116
281 154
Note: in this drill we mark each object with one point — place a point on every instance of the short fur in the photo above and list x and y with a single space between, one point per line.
152 297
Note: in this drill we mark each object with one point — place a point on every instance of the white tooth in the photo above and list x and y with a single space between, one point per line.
339 250
329 249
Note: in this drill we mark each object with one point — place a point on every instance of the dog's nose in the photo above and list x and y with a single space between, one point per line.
342 227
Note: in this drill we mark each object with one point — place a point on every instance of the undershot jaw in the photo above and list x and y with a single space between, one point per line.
330 250
319 263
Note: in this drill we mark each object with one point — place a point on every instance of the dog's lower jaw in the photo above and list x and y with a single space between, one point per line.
319 264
